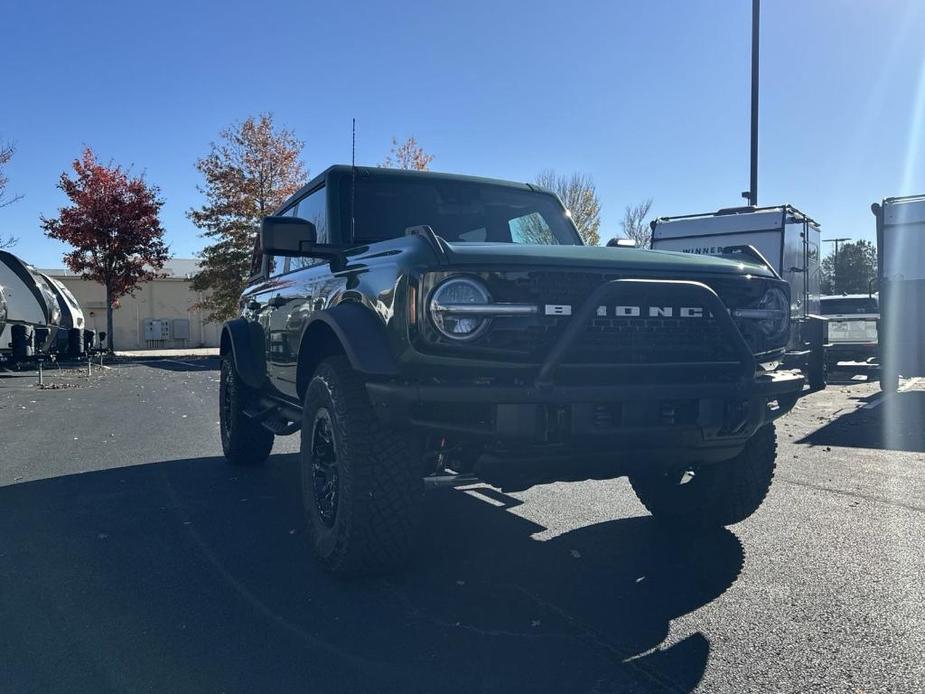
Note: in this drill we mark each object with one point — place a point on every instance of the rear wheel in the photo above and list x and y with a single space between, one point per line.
362 486
717 494
244 441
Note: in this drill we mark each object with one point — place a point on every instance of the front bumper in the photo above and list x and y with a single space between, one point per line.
680 421
851 351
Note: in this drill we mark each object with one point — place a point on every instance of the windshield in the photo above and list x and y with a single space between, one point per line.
832 307
458 211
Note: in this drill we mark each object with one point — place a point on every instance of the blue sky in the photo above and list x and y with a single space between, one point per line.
648 97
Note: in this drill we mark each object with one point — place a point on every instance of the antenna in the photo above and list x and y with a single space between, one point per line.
353 183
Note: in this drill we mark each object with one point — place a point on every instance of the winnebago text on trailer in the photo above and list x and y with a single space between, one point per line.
33 314
901 276
789 241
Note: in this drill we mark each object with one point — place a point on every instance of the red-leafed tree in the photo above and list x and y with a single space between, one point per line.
113 225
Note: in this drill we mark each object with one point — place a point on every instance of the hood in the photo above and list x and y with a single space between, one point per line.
628 260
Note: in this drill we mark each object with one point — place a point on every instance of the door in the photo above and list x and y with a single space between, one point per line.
294 298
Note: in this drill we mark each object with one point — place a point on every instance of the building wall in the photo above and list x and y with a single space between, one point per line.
168 298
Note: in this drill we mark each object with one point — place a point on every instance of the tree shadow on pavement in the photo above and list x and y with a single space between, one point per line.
191 575
895 424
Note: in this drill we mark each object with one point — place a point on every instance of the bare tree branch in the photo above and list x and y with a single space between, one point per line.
6 153
579 195
635 224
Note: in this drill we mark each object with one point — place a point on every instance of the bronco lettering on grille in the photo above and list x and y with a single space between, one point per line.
631 311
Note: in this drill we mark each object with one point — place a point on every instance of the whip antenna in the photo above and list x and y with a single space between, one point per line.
353 183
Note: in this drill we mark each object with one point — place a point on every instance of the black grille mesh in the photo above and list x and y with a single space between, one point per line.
610 339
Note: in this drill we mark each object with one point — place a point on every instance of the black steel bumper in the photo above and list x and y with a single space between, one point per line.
668 417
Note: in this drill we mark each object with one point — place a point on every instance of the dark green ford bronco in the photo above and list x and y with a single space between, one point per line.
425 329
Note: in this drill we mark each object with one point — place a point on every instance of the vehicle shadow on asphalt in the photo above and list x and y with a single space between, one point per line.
191 575
896 424
179 364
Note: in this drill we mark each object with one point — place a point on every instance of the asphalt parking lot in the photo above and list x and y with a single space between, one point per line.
134 559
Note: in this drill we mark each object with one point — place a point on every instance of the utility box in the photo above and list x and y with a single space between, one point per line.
156 329
901 278
181 329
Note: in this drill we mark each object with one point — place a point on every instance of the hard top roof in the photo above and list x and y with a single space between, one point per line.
380 172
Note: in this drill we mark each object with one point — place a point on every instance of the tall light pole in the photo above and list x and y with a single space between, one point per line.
753 178
835 262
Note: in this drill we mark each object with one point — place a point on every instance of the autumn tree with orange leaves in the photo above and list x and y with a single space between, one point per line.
113 226
407 155
248 174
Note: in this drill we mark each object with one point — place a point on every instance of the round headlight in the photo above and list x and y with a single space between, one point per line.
775 300
448 308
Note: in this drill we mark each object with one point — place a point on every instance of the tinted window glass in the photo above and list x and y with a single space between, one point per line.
314 209
842 306
458 211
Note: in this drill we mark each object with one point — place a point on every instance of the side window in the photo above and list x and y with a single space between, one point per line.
256 257
314 209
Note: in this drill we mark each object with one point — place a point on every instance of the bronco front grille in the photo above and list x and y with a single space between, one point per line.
609 338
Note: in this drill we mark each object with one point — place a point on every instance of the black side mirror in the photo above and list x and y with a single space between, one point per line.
102 336
290 236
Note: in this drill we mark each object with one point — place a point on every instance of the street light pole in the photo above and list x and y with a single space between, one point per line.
835 262
753 179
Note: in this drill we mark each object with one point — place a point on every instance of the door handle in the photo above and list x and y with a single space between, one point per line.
277 301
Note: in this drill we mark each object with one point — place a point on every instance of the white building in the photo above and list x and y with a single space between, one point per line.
160 314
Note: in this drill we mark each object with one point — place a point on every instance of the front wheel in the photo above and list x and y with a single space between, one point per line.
362 487
717 494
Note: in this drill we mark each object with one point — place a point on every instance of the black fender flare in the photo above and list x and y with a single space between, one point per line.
243 340
362 337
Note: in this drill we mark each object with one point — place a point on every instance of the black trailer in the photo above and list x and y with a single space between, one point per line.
789 240
901 278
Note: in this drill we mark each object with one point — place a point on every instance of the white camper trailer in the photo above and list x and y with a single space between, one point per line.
789 240
901 278
32 313
71 340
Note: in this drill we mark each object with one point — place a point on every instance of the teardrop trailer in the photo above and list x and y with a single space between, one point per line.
901 278
789 241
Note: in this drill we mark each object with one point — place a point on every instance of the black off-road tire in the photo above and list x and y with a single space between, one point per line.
371 526
720 493
244 441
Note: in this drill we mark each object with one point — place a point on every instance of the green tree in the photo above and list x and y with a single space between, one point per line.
856 266
579 195
249 172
